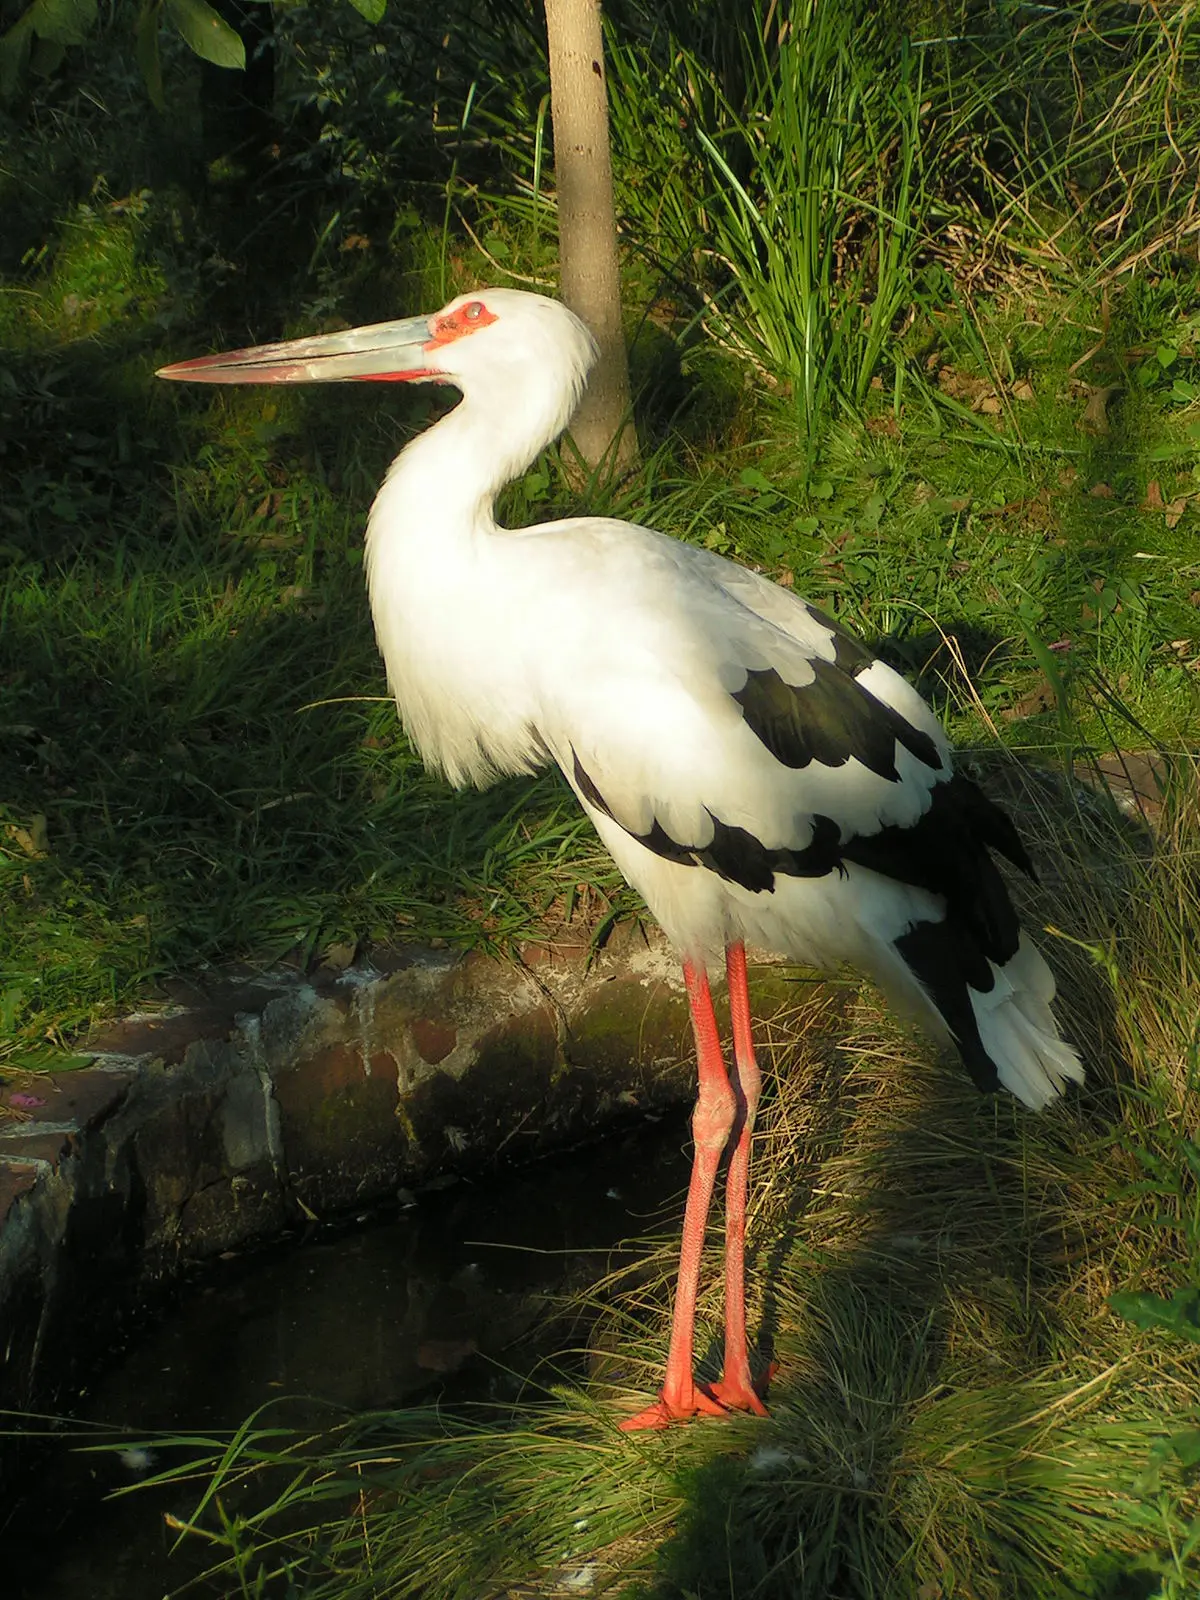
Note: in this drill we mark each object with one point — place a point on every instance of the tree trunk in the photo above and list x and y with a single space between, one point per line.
587 229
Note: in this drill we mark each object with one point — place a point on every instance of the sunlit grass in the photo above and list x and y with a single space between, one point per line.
188 684
795 213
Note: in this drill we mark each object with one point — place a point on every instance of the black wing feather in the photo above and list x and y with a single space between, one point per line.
829 720
946 852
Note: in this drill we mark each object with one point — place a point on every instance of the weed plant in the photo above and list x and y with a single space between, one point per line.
1074 127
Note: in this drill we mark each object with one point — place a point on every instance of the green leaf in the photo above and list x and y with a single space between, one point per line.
146 51
12 1003
47 1058
1173 452
46 22
1179 1315
873 510
371 9
62 21
207 34
1050 669
752 478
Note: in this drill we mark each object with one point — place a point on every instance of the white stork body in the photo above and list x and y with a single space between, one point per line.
754 773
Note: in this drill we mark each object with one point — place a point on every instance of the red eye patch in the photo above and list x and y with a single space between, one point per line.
457 324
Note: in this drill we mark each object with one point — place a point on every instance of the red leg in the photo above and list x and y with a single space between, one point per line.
736 1389
712 1120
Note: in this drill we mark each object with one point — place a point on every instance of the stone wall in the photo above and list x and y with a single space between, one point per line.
259 1101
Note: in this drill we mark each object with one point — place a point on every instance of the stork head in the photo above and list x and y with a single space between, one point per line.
502 343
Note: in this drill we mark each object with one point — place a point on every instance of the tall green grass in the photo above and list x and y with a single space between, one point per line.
793 211
1073 133
801 176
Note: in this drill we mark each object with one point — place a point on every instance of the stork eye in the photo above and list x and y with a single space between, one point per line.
473 311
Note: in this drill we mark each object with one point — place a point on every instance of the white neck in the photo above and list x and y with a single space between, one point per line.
438 572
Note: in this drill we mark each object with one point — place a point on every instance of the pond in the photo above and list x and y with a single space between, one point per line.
446 1296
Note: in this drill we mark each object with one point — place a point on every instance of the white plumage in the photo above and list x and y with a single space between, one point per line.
754 773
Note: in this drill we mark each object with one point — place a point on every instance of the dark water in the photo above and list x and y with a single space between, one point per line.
451 1298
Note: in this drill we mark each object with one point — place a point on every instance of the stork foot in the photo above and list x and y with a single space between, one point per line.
736 1392
692 1401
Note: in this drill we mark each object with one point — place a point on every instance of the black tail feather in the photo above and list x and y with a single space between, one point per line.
941 958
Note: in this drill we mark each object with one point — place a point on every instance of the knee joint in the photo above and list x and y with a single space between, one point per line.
713 1117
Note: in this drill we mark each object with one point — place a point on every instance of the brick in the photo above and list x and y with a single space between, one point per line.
434 1040
166 1038
179 1149
1137 781
341 1135
457 1119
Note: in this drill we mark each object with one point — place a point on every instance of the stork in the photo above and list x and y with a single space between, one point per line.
756 774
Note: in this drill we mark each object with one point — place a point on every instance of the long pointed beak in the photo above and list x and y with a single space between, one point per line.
384 352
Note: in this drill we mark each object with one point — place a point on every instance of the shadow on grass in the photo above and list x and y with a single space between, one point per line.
937 1427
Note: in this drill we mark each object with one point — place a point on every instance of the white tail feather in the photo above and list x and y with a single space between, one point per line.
1019 1033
